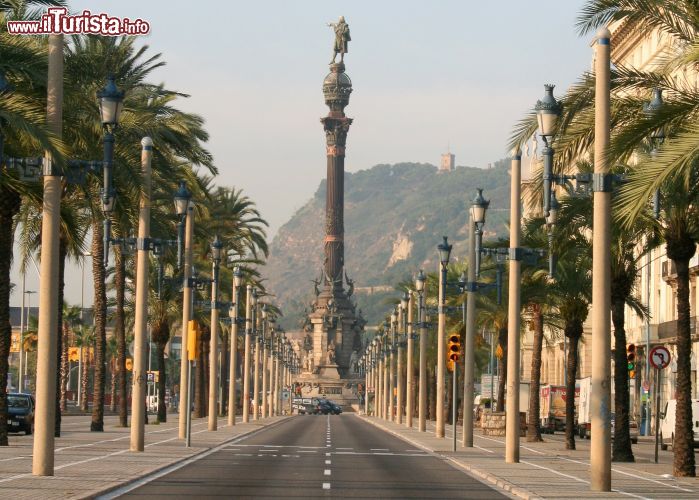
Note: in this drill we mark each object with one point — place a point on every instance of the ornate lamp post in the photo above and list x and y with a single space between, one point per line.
266 344
256 360
246 359
184 209
233 313
477 211
444 249
403 313
216 247
392 411
422 382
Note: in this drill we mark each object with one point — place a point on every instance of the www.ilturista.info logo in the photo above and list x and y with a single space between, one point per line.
57 20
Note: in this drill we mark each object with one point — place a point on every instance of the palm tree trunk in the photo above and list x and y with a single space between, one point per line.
113 391
100 312
65 366
162 408
682 444
61 353
83 380
431 396
571 370
199 408
120 332
534 424
502 342
225 363
9 205
621 444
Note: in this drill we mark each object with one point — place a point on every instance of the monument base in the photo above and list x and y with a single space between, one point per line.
328 384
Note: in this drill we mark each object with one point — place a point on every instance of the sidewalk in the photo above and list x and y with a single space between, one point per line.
88 463
547 470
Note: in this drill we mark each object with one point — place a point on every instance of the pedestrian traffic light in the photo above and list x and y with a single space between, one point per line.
192 340
453 350
631 359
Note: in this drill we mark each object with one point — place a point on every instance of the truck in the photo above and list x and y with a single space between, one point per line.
583 408
552 407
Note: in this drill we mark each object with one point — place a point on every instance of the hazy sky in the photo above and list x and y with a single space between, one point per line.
426 76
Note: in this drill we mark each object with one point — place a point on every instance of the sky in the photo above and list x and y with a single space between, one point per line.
428 77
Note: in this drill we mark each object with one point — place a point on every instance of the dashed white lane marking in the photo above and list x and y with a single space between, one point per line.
327 462
327 472
327 454
348 449
326 486
267 449
306 451
379 449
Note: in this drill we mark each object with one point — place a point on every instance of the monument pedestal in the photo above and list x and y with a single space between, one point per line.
328 372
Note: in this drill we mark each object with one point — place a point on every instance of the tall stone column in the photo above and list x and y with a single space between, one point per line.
337 88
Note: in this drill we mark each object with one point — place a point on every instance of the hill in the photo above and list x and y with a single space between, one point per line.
395 215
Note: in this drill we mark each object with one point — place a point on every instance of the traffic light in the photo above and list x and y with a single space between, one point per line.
453 350
631 360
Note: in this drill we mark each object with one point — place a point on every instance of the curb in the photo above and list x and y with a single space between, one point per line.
155 473
479 474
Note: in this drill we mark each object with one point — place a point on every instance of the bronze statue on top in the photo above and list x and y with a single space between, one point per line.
342 36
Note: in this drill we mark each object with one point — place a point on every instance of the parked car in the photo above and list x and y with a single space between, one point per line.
667 424
20 413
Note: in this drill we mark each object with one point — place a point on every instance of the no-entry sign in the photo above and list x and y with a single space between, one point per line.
659 357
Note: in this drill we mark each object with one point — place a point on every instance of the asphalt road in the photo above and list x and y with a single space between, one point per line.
318 456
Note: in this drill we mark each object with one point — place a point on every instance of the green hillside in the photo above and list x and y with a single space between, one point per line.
395 215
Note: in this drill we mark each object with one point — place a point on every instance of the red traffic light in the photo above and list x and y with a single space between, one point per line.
454 347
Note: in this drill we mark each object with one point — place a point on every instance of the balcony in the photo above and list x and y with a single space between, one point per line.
667 331
668 270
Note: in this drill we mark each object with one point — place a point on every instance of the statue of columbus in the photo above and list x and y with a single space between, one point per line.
342 36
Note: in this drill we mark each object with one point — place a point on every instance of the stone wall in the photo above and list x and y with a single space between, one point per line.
493 424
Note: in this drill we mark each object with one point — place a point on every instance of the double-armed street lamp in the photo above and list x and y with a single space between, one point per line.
265 342
392 411
402 342
410 373
235 320
256 358
422 371
246 356
216 250
185 212
444 250
477 213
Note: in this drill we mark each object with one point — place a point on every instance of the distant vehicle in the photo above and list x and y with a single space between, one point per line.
583 405
552 407
667 424
323 407
336 409
20 413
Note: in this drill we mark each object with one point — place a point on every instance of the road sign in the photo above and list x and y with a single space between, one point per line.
659 357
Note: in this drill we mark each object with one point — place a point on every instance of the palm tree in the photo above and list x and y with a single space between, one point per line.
71 320
112 356
22 128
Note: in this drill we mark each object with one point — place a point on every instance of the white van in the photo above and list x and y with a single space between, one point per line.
667 424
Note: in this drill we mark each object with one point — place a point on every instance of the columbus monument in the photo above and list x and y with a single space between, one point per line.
333 326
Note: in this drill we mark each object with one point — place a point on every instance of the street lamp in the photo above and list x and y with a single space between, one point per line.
477 214
422 377
181 198
184 209
266 345
551 219
233 313
111 101
479 207
444 249
403 314
393 410
256 359
216 248
547 113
